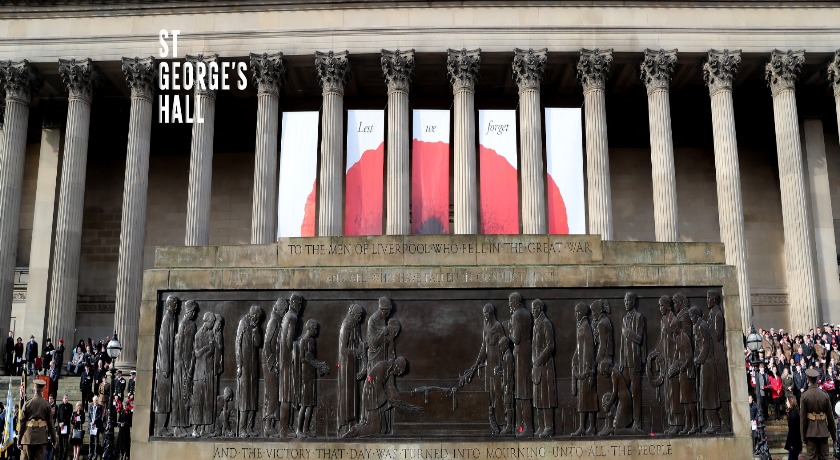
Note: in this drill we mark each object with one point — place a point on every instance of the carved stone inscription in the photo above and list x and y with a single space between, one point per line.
557 362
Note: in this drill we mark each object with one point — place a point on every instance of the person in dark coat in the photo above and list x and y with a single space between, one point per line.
793 443
58 355
47 353
31 355
9 353
18 356
86 386
63 416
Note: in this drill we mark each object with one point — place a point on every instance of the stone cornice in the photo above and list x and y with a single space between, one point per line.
593 68
333 71
658 68
720 68
783 70
462 67
79 77
529 68
140 76
398 69
834 73
19 80
202 90
269 72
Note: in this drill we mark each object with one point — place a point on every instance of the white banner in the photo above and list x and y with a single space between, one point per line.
564 161
430 173
365 165
498 177
298 163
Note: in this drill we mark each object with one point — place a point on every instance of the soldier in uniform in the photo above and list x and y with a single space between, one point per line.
36 426
816 420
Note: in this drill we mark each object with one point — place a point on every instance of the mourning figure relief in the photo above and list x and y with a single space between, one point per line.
687 370
583 373
183 370
631 359
489 355
310 370
164 365
271 379
717 328
288 372
249 340
704 359
351 368
203 402
544 380
519 330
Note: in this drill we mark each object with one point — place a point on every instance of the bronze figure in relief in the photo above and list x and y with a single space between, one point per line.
583 373
249 340
164 365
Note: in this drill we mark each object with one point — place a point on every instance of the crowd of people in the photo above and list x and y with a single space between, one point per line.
101 420
786 364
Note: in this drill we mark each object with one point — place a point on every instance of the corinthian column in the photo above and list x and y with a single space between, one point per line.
718 72
398 68
333 74
462 67
78 76
593 68
782 72
269 73
201 158
528 71
657 69
140 77
18 81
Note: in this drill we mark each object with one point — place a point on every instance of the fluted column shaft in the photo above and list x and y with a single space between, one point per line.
463 71
782 73
140 76
201 163
68 228
656 71
719 72
398 179
17 83
333 72
528 70
593 69
398 69
268 74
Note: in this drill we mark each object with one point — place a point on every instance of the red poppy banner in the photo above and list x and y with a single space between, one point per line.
564 162
430 173
298 163
498 176
363 191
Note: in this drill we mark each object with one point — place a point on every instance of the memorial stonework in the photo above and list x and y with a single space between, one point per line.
442 347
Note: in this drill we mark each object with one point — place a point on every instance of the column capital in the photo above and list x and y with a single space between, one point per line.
783 69
720 68
658 68
19 80
333 71
140 76
269 72
593 67
834 73
202 88
529 68
398 69
79 77
462 67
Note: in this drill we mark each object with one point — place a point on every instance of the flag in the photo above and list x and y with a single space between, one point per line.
9 433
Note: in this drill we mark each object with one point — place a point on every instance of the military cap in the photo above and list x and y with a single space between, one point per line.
813 373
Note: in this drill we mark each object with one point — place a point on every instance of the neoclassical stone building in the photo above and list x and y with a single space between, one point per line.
701 123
